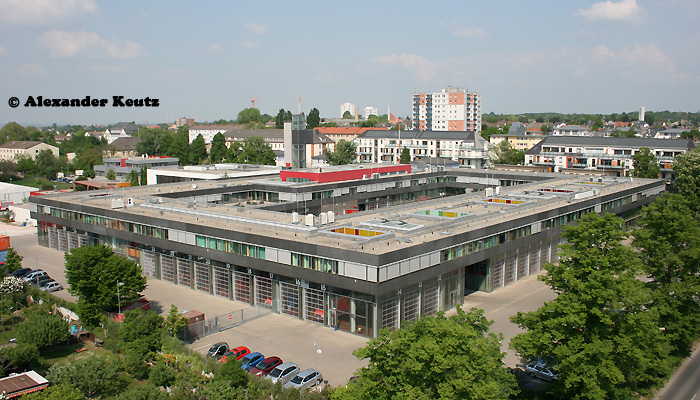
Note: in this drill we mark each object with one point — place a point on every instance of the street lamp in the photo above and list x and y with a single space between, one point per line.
316 353
119 299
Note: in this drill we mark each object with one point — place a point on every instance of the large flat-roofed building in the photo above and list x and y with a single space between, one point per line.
358 255
15 149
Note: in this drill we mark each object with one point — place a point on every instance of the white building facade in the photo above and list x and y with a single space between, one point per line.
452 109
347 107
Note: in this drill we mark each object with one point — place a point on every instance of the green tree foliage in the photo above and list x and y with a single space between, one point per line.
645 164
145 327
282 117
222 390
87 159
253 151
405 156
90 374
347 115
686 171
8 171
231 371
174 322
669 245
545 129
16 357
42 330
597 125
144 176
218 148
330 125
505 153
600 332
249 115
133 178
144 392
63 392
314 119
48 165
111 175
691 134
13 261
345 153
180 147
92 273
434 358
152 142
198 150
162 375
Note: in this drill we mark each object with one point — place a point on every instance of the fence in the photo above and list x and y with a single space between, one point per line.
222 322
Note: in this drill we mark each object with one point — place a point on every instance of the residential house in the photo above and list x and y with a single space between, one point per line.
18 148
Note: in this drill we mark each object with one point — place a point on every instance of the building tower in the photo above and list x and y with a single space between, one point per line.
642 111
453 109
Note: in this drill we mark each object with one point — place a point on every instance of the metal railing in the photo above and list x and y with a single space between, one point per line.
219 323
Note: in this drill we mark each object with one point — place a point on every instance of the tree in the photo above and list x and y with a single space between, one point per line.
63 392
93 272
597 125
691 134
42 330
13 131
198 150
234 151
545 129
601 332
686 171
218 148
162 375
231 372
179 147
144 176
347 115
144 392
405 156
255 151
90 375
111 175
345 153
434 357
314 119
249 115
150 141
144 327
505 153
13 261
15 357
282 117
645 164
133 178
175 322
669 245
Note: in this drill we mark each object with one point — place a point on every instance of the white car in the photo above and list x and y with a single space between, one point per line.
283 373
34 274
541 370
52 287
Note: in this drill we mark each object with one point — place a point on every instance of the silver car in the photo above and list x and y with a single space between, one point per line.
306 379
283 373
52 287
541 370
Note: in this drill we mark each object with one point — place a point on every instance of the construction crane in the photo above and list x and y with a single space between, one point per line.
252 101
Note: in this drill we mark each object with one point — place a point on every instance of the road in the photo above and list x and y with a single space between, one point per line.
685 382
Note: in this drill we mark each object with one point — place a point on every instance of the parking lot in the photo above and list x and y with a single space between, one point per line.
283 336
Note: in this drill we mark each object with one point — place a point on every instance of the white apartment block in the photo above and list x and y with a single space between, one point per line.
452 109
369 110
347 107
612 155
571 130
209 131
385 146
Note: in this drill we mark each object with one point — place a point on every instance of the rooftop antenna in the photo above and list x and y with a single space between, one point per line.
253 100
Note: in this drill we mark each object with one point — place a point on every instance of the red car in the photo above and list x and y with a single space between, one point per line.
238 352
264 367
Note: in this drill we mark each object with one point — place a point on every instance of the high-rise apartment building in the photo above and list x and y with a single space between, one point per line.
453 109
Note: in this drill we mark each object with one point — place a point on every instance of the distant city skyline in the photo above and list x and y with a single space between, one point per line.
208 60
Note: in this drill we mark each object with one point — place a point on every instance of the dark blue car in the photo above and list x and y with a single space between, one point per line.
249 360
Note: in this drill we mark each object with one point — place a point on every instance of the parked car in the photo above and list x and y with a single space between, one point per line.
21 272
306 379
264 367
249 360
218 349
41 280
283 373
52 287
28 277
541 370
238 352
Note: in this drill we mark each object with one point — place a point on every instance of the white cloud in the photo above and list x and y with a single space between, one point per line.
31 70
255 28
68 44
3 50
424 68
648 55
215 47
602 52
114 69
248 45
470 32
624 10
43 12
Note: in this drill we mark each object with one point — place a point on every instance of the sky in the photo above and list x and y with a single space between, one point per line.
207 60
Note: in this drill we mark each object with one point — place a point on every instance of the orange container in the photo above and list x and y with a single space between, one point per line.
4 242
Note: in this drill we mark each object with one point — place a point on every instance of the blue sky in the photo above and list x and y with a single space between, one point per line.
208 59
